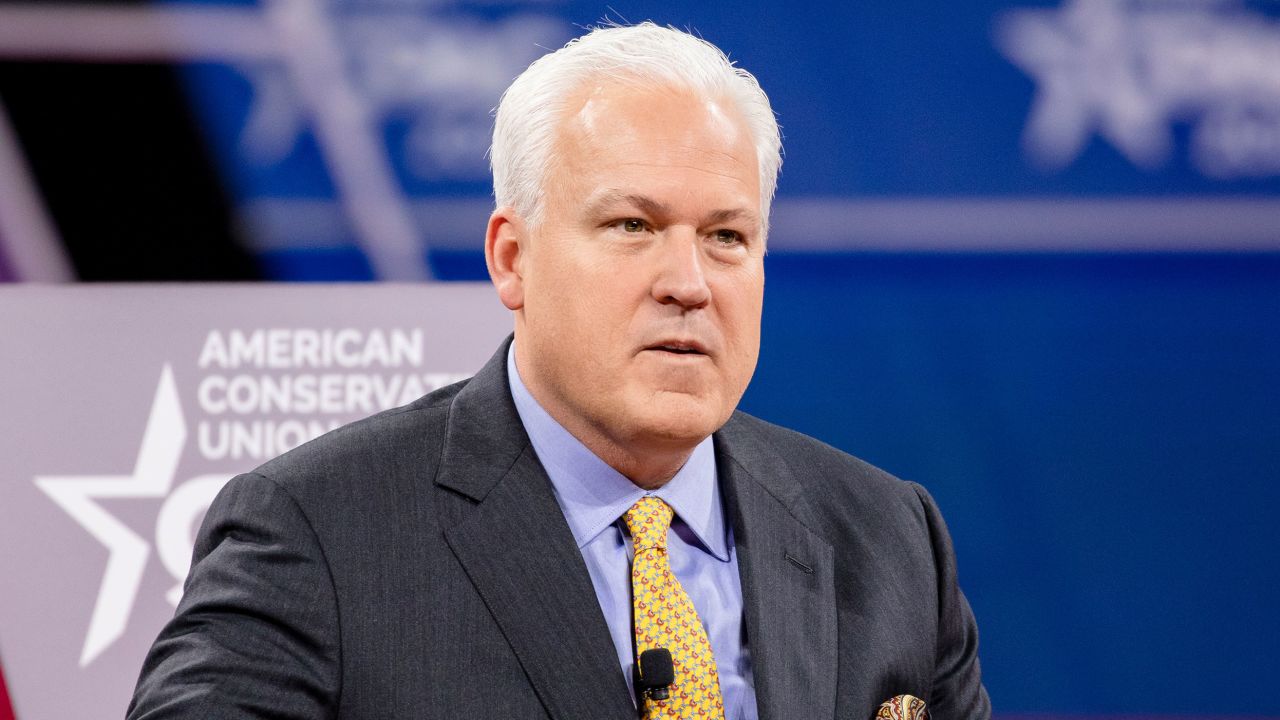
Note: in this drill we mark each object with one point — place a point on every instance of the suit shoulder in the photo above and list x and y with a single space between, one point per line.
830 481
810 457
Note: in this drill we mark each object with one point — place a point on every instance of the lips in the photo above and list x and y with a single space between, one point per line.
679 347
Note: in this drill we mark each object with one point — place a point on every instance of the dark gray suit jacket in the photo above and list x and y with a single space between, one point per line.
416 565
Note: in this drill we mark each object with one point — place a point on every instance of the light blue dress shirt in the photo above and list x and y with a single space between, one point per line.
594 497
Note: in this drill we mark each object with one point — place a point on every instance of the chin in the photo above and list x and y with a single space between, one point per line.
681 420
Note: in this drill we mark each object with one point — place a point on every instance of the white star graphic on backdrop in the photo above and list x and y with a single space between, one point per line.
1085 59
152 477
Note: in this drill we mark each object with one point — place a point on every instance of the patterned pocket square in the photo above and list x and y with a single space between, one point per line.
902 707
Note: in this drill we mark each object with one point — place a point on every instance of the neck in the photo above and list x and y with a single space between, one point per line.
650 468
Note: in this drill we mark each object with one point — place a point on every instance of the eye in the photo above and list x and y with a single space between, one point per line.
728 237
632 225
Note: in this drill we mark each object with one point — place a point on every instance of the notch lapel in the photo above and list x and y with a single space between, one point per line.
788 581
510 536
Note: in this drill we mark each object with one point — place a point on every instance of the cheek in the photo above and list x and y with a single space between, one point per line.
742 326
553 293
742 299
585 320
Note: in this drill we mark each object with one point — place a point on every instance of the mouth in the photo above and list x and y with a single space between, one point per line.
679 347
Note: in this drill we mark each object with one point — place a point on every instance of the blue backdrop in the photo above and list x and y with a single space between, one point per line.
1026 253
1103 436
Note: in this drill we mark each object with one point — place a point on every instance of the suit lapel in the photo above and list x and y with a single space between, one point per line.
513 542
788 586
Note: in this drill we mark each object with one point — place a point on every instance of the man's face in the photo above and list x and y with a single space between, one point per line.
643 283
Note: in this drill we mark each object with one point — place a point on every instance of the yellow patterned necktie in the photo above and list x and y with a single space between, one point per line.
665 618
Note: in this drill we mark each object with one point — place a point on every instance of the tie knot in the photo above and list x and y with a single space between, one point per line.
648 521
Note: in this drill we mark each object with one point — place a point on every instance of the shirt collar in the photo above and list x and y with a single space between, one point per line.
593 495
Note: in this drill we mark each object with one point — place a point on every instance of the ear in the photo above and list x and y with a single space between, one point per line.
504 245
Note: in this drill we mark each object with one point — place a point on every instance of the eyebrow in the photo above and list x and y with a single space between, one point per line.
654 208
724 216
643 203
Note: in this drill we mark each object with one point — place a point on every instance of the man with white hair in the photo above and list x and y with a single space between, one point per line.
587 528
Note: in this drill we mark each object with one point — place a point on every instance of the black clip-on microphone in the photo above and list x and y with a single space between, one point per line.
655 673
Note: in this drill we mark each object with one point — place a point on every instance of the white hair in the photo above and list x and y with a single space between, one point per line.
530 111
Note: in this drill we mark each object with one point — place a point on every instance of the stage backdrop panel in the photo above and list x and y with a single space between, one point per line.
1102 433
127 407
349 137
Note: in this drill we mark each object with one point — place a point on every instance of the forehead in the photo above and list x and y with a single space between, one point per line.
649 108
656 136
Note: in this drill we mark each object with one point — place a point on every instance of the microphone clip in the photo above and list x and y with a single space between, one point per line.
655 673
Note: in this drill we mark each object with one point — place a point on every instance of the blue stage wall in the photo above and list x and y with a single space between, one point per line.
1091 388
1103 435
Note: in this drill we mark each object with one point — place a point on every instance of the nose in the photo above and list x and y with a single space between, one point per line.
681 279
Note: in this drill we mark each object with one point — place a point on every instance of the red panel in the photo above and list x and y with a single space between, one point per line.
6 708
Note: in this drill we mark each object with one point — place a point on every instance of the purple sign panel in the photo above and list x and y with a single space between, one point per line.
125 410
